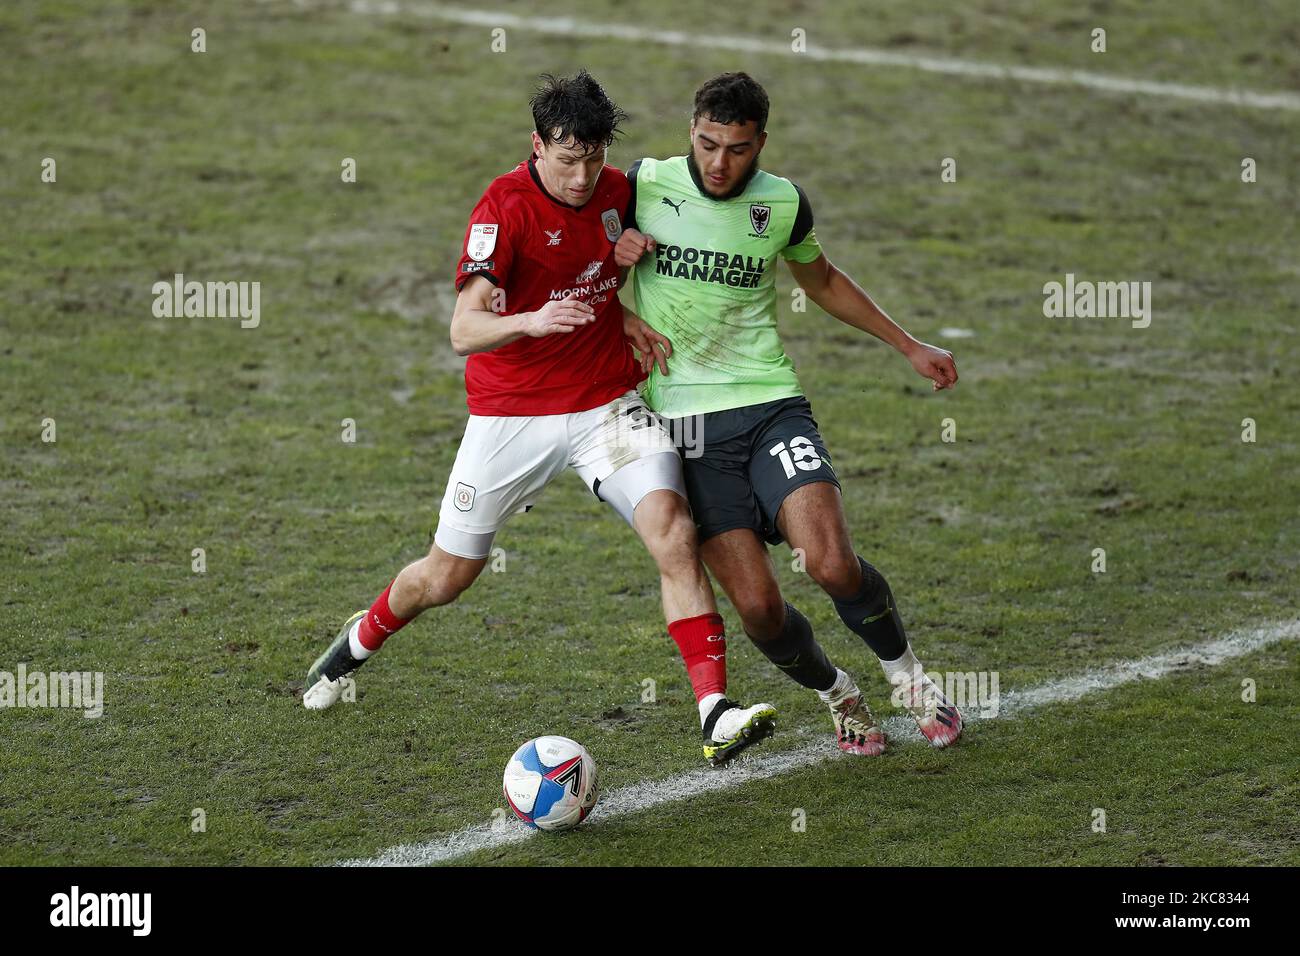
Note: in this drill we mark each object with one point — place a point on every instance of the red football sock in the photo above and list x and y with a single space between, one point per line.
379 624
703 643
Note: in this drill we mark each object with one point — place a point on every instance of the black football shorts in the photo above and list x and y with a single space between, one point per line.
748 460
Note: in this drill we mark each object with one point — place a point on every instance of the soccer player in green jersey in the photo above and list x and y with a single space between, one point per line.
704 232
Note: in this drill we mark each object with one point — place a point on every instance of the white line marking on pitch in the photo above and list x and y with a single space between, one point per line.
953 66
642 796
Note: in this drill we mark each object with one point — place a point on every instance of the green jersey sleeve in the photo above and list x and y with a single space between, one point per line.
803 245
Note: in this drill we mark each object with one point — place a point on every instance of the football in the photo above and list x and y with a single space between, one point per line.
550 783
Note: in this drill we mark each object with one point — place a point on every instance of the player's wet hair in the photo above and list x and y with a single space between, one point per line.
732 98
575 108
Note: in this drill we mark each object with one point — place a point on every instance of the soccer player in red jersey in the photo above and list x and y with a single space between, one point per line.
551 383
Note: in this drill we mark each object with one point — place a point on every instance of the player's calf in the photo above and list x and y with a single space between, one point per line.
436 579
664 524
796 652
872 614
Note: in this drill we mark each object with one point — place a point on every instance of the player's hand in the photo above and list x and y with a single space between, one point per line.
558 315
654 348
936 364
631 246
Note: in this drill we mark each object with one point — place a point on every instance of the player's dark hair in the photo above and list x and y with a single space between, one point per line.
575 108
732 98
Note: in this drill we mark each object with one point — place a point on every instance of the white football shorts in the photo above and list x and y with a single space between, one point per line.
620 450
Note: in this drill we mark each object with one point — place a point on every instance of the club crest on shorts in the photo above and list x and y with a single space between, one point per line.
759 216
612 223
464 496
482 240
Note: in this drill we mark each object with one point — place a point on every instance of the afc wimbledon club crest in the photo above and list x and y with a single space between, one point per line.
613 225
759 215
482 240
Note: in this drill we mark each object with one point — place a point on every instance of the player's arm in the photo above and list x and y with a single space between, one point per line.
652 348
631 246
838 295
632 242
476 328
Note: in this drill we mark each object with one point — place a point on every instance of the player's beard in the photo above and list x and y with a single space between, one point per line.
735 190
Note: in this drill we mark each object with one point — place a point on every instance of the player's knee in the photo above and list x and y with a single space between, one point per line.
425 587
838 573
442 578
762 612
669 533
462 573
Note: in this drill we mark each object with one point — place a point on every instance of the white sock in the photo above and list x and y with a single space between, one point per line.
837 692
358 650
707 703
907 664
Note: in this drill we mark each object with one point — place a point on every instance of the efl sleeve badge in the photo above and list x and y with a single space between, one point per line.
482 240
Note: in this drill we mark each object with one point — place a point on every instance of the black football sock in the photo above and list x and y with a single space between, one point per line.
798 654
872 615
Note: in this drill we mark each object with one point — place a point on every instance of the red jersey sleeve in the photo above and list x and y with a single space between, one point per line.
487 249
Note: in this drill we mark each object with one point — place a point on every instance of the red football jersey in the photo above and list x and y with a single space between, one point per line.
536 248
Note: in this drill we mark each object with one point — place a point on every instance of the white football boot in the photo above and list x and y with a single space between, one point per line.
730 728
328 677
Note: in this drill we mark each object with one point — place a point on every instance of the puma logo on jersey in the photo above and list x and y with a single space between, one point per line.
554 236
677 206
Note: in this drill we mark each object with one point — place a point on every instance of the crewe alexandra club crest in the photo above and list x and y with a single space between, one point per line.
612 223
464 497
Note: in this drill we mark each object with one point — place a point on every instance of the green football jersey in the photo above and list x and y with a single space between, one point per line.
710 285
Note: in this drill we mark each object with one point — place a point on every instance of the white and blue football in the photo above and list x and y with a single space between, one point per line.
550 783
